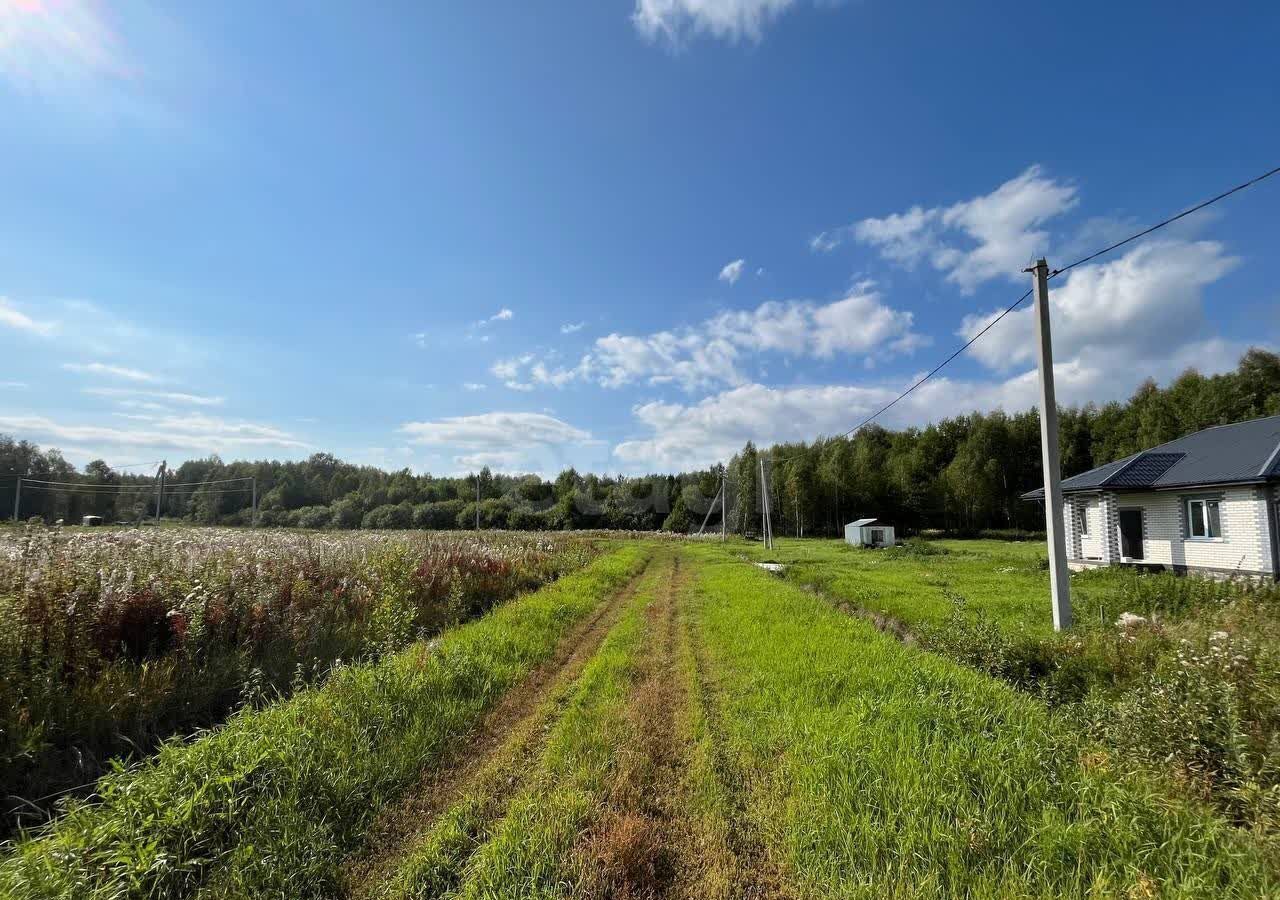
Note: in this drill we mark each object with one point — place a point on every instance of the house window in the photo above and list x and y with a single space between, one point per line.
1204 521
1082 515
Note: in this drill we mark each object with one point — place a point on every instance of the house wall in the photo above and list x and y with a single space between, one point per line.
1246 535
1091 546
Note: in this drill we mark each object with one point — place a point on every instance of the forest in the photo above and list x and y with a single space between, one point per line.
959 475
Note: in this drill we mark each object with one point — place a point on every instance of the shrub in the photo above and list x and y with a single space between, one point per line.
389 516
314 517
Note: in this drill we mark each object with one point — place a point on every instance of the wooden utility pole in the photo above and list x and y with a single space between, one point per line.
1059 576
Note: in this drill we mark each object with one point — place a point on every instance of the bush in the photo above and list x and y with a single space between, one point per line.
347 513
314 517
437 516
389 516
915 547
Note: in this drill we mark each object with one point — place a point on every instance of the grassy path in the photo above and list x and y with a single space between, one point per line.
472 784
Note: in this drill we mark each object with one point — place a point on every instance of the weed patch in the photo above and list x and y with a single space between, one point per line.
272 802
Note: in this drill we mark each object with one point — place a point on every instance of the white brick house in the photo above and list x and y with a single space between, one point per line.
1208 502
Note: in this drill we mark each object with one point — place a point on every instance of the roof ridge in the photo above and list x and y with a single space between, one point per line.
1210 428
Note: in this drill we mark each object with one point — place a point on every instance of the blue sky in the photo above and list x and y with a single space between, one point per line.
622 235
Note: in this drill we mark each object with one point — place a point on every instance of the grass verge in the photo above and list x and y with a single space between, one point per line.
270 804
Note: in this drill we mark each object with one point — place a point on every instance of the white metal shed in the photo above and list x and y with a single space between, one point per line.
869 533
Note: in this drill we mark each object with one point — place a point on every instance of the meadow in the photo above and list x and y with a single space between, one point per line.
1181 674
112 640
670 720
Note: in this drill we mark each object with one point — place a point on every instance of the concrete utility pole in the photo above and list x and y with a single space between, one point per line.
477 502
17 498
766 518
724 506
1059 577
160 489
253 503
712 508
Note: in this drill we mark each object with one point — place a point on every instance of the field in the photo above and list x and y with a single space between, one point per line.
668 720
114 639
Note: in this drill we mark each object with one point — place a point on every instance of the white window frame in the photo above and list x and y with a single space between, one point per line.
1204 503
1082 519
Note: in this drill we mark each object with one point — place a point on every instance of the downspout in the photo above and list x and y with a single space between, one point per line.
1270 495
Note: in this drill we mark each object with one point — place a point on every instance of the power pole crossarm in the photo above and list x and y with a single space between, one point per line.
1059 576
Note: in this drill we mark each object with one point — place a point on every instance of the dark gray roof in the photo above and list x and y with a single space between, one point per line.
1228 454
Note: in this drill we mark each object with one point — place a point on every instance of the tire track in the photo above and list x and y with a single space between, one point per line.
493 756
637 847
754 875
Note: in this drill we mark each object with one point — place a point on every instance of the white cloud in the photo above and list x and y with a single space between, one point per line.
973 241
168 396
510 435
1139 306
198 433
826 241
472 386
711 353
112 371
732 271
571 327
14 385
730 20
10 315
419 338
502 315
698 434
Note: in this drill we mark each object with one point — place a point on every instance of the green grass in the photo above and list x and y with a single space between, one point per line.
874 769
271 803
918 583
527 852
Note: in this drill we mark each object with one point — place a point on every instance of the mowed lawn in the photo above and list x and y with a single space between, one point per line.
920 583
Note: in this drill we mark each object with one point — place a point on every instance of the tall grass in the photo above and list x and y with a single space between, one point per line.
270 803
1191 687
115 639
875 769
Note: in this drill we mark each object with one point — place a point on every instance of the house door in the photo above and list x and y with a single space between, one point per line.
1131 533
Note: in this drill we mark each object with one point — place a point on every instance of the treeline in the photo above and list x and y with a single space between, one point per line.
962 474
966 473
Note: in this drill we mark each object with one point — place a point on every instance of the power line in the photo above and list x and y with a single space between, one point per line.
1169 221
139 488
1055 273
82 484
